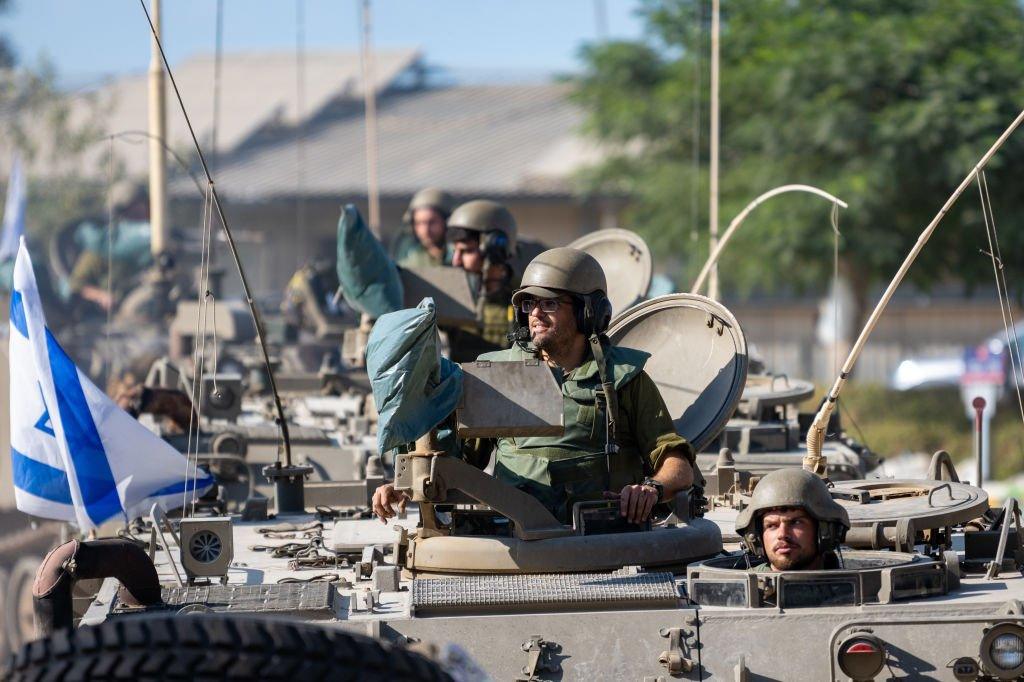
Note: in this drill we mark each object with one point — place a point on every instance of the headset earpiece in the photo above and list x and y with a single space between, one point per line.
494 246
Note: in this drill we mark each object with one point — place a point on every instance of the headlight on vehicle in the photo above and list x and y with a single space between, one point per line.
1002 651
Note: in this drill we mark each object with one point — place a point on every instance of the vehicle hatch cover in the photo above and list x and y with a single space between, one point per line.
930 504
698 359
626 262
776 389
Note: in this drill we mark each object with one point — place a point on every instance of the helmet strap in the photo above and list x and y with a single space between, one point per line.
609 400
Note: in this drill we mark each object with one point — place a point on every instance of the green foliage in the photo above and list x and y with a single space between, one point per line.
52 130
885 103
896 422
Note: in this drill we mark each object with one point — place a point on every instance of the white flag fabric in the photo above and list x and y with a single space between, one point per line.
77 456
14 212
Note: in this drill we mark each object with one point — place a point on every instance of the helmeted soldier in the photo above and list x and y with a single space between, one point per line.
619 441
424 242
793 523
484 238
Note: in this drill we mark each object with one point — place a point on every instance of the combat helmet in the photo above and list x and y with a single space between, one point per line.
798 488
430 197
494 222
568 271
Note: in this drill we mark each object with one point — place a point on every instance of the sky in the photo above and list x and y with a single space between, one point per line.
88 40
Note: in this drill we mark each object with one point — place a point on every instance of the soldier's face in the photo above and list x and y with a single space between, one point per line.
553 331
428 226
790 540
467 255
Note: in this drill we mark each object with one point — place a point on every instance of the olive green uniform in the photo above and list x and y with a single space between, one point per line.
560 470
91 270
409 253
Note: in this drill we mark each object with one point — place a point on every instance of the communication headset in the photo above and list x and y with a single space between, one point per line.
593 313
495 247
831 535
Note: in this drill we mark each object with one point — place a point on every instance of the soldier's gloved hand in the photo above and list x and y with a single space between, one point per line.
636 502
384 497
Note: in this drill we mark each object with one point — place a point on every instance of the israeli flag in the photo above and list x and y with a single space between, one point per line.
77 456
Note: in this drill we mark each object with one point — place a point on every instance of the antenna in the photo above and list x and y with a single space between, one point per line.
286 445
814 461
711 264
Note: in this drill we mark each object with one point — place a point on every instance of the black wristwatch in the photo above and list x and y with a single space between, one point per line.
658 486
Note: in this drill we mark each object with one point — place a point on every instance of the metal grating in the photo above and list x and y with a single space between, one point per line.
577 590
305 598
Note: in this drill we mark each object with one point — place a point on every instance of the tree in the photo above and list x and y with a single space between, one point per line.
886 104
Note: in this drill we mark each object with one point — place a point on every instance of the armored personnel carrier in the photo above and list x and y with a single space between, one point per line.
483 578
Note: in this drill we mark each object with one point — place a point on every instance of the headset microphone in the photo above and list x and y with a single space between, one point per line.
520 336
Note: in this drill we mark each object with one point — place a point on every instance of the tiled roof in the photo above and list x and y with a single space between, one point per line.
470 140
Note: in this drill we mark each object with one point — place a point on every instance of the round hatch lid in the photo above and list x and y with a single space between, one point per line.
626 262
698 359
765 390
929 504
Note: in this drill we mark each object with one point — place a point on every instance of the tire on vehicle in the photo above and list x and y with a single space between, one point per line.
5 641
18 616
215 647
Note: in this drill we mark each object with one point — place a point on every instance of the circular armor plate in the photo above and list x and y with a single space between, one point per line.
626 262
698 359
930 504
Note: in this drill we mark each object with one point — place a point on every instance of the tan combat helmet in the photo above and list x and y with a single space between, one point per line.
793 487
487 217
431 197
561 270
568 271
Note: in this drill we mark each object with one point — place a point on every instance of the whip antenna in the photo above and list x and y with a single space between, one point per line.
257 321
814 461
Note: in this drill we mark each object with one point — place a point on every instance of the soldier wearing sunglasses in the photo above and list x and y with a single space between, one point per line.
619 440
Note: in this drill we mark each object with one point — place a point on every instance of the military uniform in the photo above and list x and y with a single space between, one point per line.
407 250
560 470
409 253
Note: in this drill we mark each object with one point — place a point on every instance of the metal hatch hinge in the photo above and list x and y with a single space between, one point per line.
673 658
540 658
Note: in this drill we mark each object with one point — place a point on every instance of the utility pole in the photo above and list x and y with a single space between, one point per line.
157 140
713 208
370 122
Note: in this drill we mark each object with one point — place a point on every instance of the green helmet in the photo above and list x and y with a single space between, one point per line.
793 487
561 270
431 197
487 217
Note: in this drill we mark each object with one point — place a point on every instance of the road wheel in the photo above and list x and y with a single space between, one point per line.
215 647
5 640
18 614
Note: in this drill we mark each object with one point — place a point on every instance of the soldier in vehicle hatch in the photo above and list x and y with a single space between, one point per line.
619 441
424 242
483 235
793 523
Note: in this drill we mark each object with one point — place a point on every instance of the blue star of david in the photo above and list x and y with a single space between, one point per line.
43 423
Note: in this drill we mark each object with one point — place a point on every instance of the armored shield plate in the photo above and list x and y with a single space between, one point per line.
449 287
517 398
698 359
626 262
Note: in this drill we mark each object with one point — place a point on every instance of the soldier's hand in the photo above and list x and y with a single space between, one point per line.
636 502
384 497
